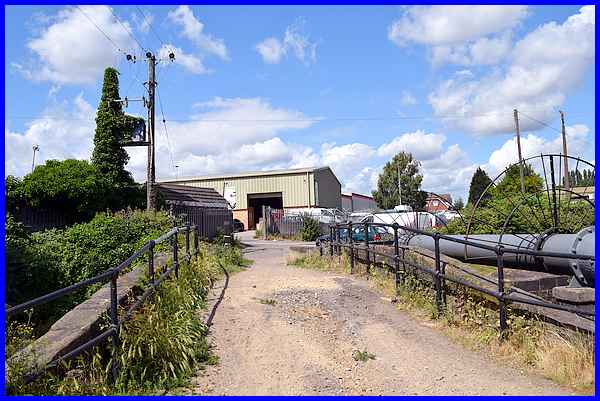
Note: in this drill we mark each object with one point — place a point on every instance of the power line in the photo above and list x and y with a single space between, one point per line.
540 122
101 31
314 119
165 126
126 29
144 17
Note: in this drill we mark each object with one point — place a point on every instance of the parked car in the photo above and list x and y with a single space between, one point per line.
358 235
237 226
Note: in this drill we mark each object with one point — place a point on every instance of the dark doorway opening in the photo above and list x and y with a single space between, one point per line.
256 203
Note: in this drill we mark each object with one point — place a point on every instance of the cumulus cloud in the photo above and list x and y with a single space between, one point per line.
71 50
464 35
193 30
189 62
447 25
271 50
295 41
422 145
63 131
545 66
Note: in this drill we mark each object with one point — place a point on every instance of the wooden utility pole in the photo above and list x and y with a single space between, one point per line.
150 190
566 184
519 150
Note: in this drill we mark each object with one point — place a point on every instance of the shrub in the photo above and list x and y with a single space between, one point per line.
43 262
310 228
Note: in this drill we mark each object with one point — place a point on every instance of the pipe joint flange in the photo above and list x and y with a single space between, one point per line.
582 269
539 245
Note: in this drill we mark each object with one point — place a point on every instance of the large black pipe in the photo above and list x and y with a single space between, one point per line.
581 243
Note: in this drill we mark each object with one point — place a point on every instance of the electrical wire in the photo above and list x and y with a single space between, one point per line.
539 122
144 17
164 121
101 31
126 29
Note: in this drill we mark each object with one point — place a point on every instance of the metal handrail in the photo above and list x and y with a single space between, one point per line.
438 273
112 275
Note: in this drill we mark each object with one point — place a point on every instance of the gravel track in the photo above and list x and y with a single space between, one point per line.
283 330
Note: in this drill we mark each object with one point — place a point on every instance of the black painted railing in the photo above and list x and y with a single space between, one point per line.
438 272
112 275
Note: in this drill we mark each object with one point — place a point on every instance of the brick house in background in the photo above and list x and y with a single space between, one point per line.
438 203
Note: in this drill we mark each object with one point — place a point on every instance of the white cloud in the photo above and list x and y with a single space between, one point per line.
452 24
295 41
64 131
227 135
72 50
407 99
422 145
271 50
545 66
464 35
193 29
188 61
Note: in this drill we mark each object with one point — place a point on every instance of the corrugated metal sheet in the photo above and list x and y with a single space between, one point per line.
296 186
192 196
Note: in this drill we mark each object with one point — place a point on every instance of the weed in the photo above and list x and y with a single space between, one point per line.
362 356
267 301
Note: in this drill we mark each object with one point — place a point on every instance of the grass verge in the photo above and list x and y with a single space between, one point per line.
161 347
562 355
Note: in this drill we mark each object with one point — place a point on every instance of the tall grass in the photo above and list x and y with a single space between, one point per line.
161 347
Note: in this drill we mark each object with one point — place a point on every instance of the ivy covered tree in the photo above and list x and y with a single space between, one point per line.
387 195
479 183
109 156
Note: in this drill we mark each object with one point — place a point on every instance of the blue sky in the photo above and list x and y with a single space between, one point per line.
265 87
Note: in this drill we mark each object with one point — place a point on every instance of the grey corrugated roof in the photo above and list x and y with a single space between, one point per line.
251 174
192 196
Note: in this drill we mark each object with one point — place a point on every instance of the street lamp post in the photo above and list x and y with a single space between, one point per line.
35 149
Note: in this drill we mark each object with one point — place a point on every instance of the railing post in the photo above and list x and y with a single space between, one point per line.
330 241
396 258
338 240
437 276
114 320
351 248
367 253
196 244
501 300
176 254
151 261
187 240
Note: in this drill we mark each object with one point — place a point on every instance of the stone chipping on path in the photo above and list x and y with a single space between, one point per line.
304 341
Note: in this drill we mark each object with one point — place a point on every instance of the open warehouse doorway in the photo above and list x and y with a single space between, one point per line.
256 203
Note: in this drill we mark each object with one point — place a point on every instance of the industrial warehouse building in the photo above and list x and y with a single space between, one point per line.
247 193
358 203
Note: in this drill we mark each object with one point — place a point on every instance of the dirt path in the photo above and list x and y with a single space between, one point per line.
303 344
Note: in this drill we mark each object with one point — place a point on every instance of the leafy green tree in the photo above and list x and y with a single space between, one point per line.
72 186
310 228
111 131
387 195
479 183
459 204
511 181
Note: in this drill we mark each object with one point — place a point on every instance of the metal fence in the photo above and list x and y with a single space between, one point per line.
35 219
210 221
399 262
112 276
289 223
